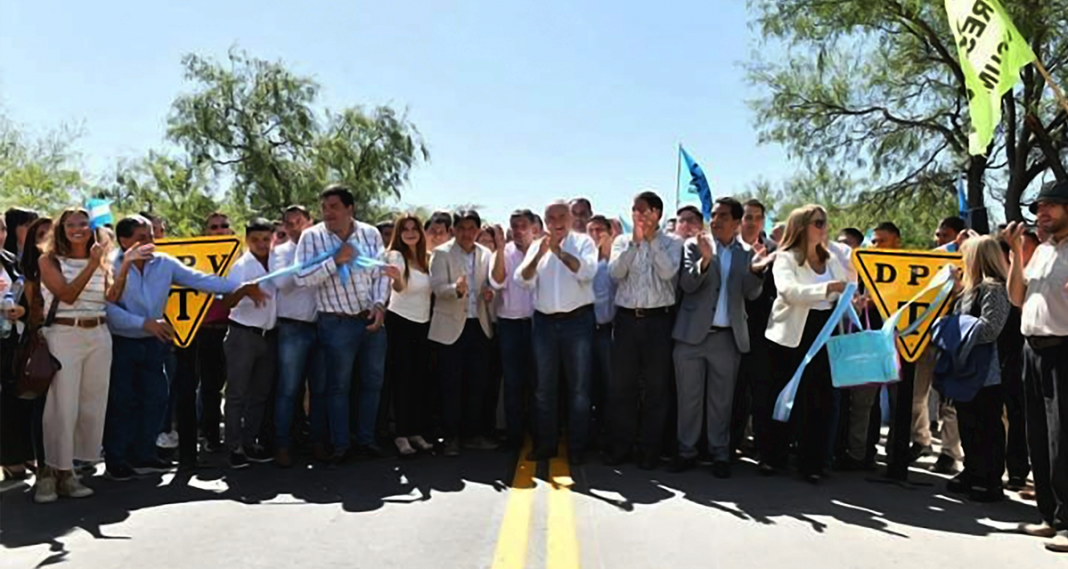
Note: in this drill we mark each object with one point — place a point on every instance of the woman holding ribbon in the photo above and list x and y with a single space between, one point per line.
810 273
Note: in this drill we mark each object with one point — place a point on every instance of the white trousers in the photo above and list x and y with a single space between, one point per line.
73 424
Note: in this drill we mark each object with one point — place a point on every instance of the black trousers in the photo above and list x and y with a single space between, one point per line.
982 435
1046 385
1016 456
639 397
20 419
202 365
464 370
408 359
813 405
754 371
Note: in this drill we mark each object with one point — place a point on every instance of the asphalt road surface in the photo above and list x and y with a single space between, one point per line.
486 509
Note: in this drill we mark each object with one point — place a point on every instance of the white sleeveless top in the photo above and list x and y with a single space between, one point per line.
414 302
90 303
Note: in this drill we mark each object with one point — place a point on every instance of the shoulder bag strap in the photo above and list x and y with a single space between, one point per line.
51 312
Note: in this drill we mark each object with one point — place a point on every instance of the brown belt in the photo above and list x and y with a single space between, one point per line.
81 322
644 312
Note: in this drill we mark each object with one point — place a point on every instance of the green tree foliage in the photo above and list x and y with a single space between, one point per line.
254 122
916 215
176 190
875 87
39 173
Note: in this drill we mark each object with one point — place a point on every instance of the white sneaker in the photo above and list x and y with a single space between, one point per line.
45 491
71 487
165 441
403 447
420 443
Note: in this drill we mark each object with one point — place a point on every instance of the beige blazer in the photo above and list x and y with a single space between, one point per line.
448 263
799 292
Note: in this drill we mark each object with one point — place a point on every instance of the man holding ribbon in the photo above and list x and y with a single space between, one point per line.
351 294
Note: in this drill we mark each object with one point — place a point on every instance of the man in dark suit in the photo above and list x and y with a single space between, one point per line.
755 367
711 333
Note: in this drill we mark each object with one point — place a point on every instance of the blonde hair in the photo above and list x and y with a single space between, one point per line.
983 260
795 238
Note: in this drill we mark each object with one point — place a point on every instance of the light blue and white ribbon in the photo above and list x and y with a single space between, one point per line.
784 404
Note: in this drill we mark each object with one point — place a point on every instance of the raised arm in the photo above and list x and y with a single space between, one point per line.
68 292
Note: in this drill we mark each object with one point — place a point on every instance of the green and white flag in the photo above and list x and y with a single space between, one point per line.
991 52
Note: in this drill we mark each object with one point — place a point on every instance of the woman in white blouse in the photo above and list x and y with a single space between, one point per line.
810 274
74 278
407 326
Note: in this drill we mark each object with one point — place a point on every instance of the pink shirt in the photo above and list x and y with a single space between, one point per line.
516 302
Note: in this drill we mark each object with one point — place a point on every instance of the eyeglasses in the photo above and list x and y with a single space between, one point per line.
820 223
222 226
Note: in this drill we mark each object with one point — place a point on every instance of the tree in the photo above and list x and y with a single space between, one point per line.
39 173
254 121
876 87
914 214
176 190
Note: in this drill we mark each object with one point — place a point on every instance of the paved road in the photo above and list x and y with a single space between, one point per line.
434 512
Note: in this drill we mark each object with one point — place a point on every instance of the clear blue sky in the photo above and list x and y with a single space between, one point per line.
520 102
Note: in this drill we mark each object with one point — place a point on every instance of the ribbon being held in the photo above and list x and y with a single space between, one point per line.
359 262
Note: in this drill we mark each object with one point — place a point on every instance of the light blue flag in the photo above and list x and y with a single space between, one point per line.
962 201
698 183
99 213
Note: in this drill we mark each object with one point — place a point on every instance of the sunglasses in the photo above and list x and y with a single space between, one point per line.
820 223
223 226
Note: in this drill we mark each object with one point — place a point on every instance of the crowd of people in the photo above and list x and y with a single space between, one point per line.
652 340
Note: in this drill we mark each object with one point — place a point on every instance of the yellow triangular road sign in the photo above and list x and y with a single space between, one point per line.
892 278
186 308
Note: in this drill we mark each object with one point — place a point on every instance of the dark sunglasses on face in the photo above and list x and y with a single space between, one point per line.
820 223
223 226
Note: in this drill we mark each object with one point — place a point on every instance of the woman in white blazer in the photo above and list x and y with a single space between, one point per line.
810 274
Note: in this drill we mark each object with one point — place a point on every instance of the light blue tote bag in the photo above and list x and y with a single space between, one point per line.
862 358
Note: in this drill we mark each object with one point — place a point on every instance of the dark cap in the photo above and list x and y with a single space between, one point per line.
1053 192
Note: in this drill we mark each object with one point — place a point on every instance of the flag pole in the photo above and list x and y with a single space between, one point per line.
678 173
1049 79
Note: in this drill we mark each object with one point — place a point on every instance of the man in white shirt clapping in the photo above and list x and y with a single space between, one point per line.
560 268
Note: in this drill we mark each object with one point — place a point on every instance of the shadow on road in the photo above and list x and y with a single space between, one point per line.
855 498
359 486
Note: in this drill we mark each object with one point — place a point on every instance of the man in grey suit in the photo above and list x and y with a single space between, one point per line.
711 333
460 325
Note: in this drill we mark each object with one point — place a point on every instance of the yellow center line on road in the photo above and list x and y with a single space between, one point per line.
563 550
515 528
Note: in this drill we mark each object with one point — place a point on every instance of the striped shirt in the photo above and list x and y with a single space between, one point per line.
90 303
364 288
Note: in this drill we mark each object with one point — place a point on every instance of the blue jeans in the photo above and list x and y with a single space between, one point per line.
344 342
297 358
137 400
568 341
170 367
517 359
602 373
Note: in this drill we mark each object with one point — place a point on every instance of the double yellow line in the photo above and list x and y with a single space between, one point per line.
562 549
